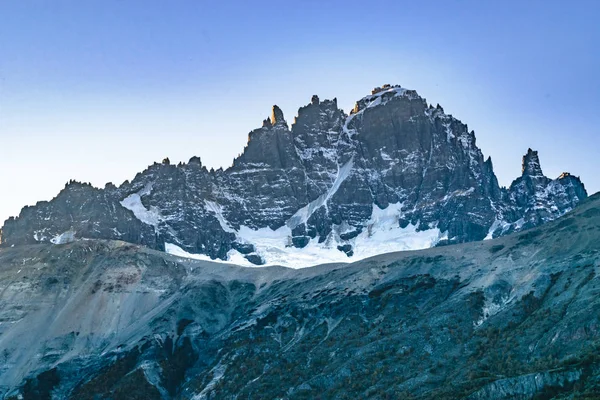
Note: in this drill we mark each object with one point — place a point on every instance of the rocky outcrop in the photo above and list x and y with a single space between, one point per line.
277 116
394 174
528 386
533 199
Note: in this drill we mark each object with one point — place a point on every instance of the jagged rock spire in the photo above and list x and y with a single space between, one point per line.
277 116
314 99
531 164
195 160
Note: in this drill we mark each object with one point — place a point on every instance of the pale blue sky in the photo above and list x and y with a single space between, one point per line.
96 90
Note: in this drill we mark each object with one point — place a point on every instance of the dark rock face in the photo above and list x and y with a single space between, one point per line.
323 183
533 199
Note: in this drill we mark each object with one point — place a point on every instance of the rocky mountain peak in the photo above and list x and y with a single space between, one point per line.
195 160
267 123
531 164
395 174
382 95
277 116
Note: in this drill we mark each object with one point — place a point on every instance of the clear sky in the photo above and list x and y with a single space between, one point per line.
96 90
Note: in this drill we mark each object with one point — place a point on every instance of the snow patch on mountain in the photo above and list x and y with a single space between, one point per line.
133 202
233 256
381 96
40 235
63 238
217 210
303 214
500 225
381 234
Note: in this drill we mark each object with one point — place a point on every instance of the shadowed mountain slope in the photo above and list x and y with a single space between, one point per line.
513 317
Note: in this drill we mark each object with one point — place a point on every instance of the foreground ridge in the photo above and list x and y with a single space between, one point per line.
395 174
512 317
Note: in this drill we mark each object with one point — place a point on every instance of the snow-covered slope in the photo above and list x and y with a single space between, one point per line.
382 234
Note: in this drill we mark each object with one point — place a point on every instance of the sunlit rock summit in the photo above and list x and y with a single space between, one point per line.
394 174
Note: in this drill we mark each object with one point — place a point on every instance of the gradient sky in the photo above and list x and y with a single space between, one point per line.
96 90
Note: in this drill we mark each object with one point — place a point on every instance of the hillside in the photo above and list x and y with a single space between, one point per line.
513 317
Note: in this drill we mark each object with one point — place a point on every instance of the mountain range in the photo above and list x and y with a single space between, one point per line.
394 174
